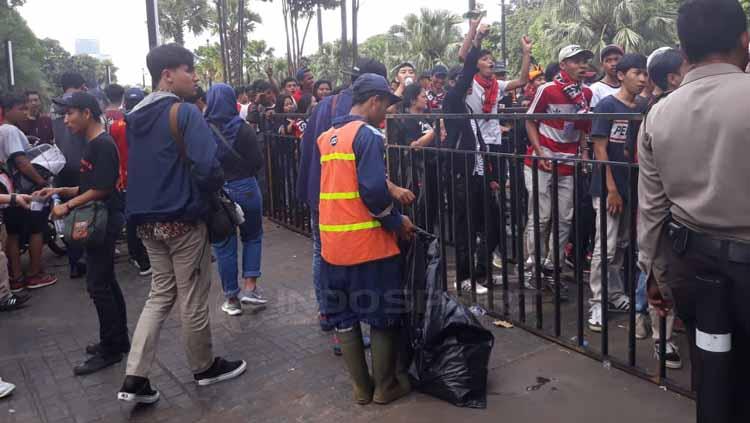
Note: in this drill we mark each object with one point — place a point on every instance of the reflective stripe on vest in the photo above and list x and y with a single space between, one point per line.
349 234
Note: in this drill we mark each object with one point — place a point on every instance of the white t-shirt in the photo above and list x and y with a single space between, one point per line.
12 141
490 128
601 90
243 110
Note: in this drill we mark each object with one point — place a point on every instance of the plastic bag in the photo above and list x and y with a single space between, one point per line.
450 347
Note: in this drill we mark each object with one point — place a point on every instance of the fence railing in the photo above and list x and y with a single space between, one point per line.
506 236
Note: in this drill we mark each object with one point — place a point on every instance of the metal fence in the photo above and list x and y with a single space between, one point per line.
486 235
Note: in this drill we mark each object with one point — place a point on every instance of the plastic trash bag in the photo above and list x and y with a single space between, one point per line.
450 349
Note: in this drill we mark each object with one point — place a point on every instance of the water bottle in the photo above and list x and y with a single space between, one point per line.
59 224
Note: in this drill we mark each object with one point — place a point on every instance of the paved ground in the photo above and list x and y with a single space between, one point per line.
292 376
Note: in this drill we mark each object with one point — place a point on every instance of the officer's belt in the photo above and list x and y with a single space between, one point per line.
684 238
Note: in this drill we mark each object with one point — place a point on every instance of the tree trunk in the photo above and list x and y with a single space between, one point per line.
304 36
355 11
285 10
343 35
320 27
241 47
222 39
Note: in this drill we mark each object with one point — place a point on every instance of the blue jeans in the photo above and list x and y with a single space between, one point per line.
246 193
641 304
314 220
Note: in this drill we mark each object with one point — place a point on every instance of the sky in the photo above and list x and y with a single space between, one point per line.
120 25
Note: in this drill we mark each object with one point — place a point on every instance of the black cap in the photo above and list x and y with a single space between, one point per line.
133 96
439 70
370 82
611 49
80 101
367 65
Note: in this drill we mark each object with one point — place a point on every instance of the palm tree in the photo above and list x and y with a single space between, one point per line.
636 25
231 38
177 15
430 37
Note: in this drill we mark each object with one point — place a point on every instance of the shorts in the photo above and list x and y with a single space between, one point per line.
369 293
19 221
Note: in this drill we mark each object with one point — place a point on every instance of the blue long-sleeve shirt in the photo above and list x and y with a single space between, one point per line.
321 120
369 149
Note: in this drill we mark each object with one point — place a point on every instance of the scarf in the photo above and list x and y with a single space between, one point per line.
574 91
222 111
491 91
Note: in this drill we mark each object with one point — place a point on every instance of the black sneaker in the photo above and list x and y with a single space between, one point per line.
96 363
94 349
13 302
220 371
137 389
671 357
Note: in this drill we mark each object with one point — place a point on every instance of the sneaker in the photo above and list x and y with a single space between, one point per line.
253 297
18 285
232 307
40 281
337 346
13 302
619 303
466 286
137 389
94 349
595 319
96 363
220 371
671 357
6 388
143 270
564 291
641 326
497 261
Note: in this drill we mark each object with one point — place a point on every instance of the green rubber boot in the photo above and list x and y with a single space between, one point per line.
388 386
353 351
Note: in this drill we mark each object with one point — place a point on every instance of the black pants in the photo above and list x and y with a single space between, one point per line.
105 291
429 201
136 249
471 199
685 289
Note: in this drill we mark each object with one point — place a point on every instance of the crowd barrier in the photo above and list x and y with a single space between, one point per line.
467 214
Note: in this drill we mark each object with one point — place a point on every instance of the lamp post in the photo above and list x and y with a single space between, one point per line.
10 64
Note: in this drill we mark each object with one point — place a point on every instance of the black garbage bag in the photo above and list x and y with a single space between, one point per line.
450 348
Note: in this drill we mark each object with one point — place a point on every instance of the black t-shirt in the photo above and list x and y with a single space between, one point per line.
618 132
100 168
246 145
414 129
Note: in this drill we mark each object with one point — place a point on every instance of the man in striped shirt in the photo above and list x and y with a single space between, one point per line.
557 139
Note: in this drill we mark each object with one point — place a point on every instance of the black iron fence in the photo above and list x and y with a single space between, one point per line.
496 225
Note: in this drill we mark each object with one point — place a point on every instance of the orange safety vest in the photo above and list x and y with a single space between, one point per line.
349 234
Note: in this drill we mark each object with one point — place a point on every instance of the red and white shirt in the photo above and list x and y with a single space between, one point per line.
557 137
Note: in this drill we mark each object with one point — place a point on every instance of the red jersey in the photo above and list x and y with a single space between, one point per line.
557 137
118 131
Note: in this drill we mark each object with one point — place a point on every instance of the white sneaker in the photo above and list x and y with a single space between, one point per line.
595 319
497 261
466 286
671 357
232 308
619 303
6 388
641 326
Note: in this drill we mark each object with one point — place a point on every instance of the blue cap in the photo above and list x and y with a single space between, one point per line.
371 82
440 70
133 96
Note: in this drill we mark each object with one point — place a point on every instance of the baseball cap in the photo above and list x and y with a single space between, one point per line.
301 73
611 49
80 101
133 96
439 70
368 65
572 51
371 82
655 53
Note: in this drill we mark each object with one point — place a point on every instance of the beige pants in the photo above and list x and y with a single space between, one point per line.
4 277
181 268
618 240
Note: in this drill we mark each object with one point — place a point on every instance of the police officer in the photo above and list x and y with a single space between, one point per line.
694 223
359 274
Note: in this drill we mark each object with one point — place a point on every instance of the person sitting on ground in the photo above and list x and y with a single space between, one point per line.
37 124
21 222
99 174
347 223
172 173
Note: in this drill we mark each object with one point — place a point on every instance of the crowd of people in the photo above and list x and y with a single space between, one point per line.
158 164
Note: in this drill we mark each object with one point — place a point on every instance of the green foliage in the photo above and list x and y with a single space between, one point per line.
56 61
326 63
428 38
177 15
27 53
257 57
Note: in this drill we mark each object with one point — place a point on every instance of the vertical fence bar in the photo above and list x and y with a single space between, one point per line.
487 259
604 261
578 195
503 240
519 241
631 271
452 205
441 222
662 349
556 243
537 242
471 238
